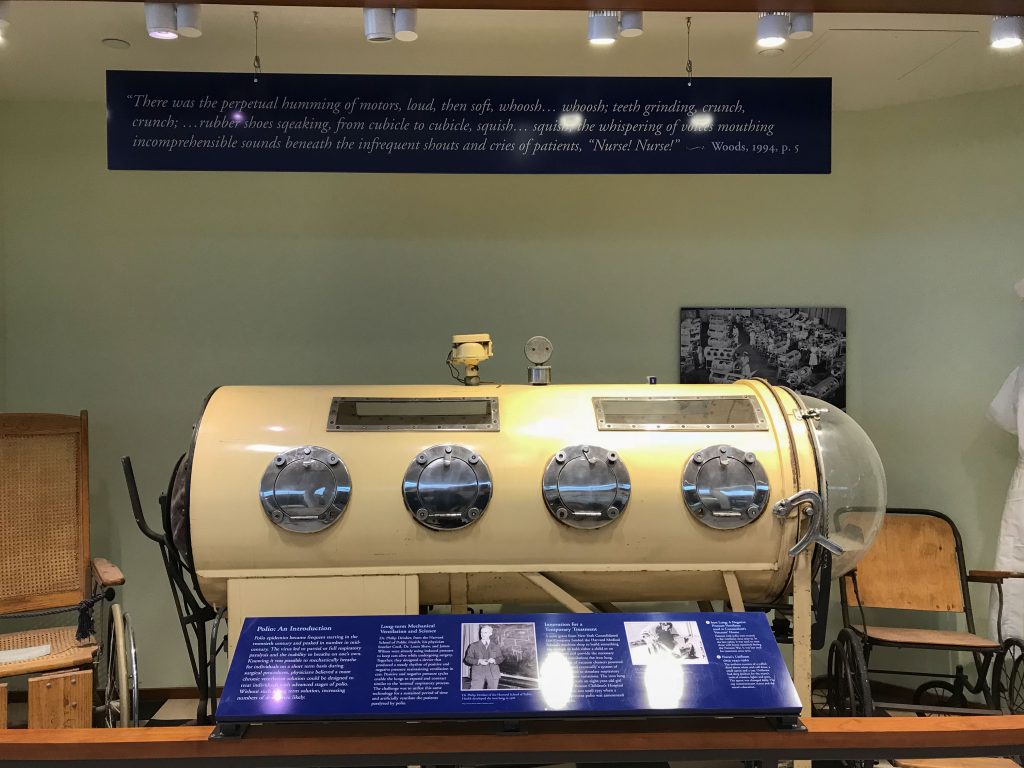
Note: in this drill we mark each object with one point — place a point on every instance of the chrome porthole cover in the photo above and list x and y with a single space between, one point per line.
306 489
725 487
586 486
447 487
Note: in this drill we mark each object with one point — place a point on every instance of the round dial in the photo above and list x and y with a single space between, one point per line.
538 350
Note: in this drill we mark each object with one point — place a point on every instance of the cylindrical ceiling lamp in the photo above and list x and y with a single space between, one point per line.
1007 31
161 20
602 27
801 25
632 23
772 29
379 24
405 24
189 24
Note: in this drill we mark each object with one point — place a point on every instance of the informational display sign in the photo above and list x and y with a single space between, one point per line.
506 666
204 121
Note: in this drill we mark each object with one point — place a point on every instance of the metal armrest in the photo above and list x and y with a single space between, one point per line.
107 574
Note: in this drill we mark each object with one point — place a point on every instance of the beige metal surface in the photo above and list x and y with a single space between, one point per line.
243 428
349 596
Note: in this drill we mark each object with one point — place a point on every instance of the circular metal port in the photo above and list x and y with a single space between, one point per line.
305 490
586 486
447 487
725 487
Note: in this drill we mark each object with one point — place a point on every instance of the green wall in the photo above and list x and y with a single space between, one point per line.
3 291
134 294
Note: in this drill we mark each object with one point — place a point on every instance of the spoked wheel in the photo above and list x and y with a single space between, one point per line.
849 692
121 693
819 697
938 693
1008 677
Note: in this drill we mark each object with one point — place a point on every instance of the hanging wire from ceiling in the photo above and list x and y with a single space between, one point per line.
257 66
689 61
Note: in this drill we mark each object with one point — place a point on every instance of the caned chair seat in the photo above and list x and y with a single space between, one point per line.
905 637
65 651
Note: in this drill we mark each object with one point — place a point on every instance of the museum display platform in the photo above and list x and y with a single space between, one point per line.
597 740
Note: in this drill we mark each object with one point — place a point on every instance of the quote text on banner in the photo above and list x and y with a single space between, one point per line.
201 121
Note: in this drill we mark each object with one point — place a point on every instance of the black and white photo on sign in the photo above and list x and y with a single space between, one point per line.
803 348
653 642
499 655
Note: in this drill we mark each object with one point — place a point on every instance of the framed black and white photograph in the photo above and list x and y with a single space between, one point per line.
651 642
803 348
499 655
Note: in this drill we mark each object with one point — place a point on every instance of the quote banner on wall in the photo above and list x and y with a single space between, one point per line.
506 666
204 121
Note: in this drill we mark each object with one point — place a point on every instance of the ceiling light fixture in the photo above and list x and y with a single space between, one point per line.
772 29
801 25
405 24
631 23
161 21
1007 32
188 19
602 27
379 24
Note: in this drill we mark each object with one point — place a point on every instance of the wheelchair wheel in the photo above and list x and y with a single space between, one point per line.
937 693
819 697
121 692
849 692
1008 677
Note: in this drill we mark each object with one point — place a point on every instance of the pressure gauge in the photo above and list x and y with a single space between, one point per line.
538 350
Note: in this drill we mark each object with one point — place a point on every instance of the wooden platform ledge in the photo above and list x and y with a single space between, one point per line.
479 743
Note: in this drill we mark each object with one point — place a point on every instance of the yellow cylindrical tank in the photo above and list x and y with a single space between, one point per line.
615 493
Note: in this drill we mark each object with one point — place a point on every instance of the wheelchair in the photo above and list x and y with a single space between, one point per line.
917 564
78 676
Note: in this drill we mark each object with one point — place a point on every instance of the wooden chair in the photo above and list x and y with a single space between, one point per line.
45 566
917 564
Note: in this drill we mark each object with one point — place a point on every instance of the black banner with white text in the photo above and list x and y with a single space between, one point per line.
200 121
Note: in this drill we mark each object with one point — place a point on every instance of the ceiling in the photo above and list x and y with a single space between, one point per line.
53 51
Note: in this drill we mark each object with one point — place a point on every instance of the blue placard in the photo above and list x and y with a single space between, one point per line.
204 121
506 666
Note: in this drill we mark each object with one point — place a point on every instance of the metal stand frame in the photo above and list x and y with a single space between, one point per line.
194 613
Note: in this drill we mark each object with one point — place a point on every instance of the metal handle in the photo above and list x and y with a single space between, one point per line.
815 510
133 497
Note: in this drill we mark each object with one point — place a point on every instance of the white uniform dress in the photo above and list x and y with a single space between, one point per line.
1007 410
